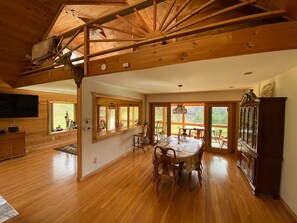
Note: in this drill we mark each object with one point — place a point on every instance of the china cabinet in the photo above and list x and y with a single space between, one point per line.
260 143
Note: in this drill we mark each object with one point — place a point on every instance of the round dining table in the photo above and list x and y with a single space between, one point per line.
186 149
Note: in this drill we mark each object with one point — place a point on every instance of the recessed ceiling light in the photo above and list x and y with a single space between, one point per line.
248 73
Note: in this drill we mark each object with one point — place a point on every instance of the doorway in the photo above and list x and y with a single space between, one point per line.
217 122
160 124
220 126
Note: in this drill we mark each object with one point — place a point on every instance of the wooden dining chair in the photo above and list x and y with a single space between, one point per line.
217 135
140 140
165 167
198 165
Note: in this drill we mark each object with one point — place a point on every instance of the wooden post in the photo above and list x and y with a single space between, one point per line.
79 133
86 50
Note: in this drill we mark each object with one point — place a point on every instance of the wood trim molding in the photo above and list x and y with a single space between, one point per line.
79 132
104 167
288 209
98 2
266 38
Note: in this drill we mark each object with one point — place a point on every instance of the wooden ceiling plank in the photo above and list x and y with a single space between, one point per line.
228 9
175 15
22 16
131 25
166 14
248 18
154 15
185 18
266 38
53 21
112 16
265 8
119 30
115 40
101 2
142 20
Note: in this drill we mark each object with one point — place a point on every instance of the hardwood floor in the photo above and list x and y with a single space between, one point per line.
42 187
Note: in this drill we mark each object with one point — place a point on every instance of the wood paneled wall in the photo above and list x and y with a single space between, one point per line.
37 136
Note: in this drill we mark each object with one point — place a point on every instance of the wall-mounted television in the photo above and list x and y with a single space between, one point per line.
18 105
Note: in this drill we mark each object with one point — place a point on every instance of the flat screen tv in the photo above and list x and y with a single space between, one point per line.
18 105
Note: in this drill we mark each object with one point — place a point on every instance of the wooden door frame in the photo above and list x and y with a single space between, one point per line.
233 116
152 105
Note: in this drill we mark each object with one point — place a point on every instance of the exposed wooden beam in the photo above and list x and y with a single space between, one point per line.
204 28
44 77
274 37
119 30
266 38
175 15
166 14
263 15
131 25
115 40
86 50
112 16
185 18
154 15
69 41
228 9
100 2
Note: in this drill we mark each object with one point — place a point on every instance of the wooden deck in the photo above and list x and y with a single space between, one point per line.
42 187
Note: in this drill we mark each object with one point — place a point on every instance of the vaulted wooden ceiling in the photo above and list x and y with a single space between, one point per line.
24 23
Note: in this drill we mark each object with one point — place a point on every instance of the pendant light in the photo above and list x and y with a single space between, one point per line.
111 106
180 109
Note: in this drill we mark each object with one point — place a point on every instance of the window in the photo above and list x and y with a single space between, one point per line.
114 115
62 116
111 119
193 118
133 115
123 116
102 118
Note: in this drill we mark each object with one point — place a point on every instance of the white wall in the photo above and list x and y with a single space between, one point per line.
286 86
106 150
232 95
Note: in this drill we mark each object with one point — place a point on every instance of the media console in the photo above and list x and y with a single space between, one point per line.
12 145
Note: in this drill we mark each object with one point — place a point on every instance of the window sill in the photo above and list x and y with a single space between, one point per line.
105 135
63 132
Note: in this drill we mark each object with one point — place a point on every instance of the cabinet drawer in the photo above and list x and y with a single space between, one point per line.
244 168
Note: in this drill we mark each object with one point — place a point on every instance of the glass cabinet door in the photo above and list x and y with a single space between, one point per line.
250 140
245 127
241 123
255 131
